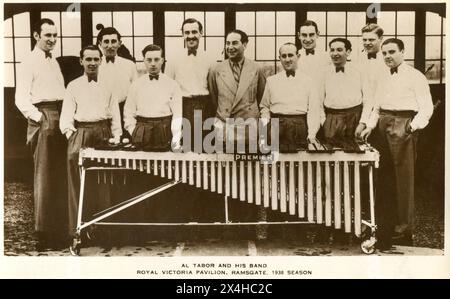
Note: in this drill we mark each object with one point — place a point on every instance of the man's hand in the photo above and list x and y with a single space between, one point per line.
114 140
68 134
313 140
359 129
365 134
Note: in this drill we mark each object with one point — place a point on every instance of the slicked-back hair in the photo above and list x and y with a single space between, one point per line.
90 47
346 42
152 47
309 23
371 27
244 36
398 42
107 31
37 27
191 21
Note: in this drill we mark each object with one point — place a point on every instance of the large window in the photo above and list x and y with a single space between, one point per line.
435 48
135 28
213 32
267 31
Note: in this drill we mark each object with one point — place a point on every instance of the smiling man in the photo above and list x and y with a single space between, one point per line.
290 97
347 103
403 107
39 95
90 115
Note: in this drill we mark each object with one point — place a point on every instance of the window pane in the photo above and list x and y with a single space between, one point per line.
71 23
245 21
319 18
355 21
8 74
410 62
336 23
443 71
103 18
174 46
57 50
22 24
215 47
387 21
433 47
215 22
434 74
199 15
356 47
267 67
23 48
286 23
443 47
9 49
265 48
281 40
265 23
71 46
321 43
409 46
128 42
143 23
173 21
7 28
405 22
139 44
54 16
433 23
122 21
250 50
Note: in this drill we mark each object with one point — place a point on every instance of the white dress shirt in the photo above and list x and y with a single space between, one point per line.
39 80
313 64
191 72
371 69
407 89
292 95
118 76
346 89
154 98
88 102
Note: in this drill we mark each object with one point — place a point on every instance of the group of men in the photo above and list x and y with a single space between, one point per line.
316 94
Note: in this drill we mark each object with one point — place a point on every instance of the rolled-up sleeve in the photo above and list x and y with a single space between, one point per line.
424 103
23 92
66 121
129 110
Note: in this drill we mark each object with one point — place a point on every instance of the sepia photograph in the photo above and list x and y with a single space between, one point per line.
224 140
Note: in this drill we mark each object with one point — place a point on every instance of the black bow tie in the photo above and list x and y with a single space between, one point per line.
156 77
290 73
110 59
48 54
339 69
394 70
92 79
309 51
192 52
371 55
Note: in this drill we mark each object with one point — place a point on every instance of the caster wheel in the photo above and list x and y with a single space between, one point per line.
368 246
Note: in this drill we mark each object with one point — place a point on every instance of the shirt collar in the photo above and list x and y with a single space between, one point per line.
240 63
41 53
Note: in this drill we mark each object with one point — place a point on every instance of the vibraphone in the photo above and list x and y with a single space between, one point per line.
319 186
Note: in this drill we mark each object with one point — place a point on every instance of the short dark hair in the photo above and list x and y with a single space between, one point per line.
286 44
37 27
152 47
309 23
90 47
244 36
372 27
398 42
107 31
347 43
190 21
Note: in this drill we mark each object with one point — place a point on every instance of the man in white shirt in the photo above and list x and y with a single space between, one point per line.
370 61
39 94
89 118
290 97
117 72
312 58
403 106
190 70
153 110
347 102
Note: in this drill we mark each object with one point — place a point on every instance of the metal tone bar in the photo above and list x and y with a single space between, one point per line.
347 203
327 194
337 196
301 191
291 188
357 205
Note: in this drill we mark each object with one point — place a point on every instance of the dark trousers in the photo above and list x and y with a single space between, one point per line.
48 147
395 188
191 105
96 197
153 134
340 125
293 131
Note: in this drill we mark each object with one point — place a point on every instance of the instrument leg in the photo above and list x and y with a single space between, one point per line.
226 208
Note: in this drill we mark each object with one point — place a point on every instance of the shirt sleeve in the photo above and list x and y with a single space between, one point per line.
170 70
367 100
67 118
134 72
320 87
265 102
314 111
424 102
375 113
23 92
176 106
129 110
116 125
